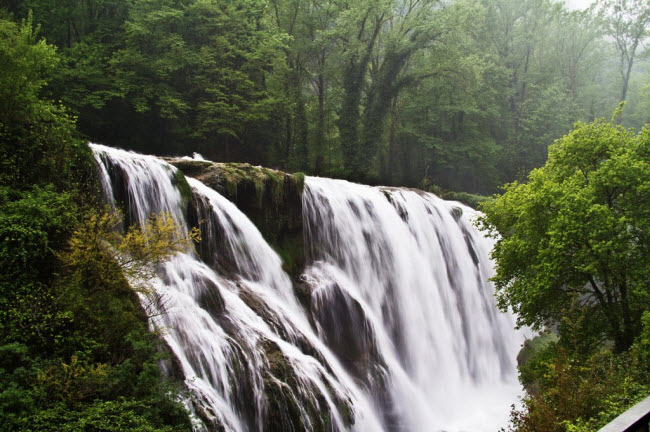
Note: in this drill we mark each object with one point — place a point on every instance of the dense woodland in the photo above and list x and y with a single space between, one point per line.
445 95
466 95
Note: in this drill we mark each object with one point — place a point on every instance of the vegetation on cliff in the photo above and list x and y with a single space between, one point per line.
75 350
271 199
572 253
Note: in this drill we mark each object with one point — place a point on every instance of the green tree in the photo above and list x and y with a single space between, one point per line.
579 227
75 352
358 28
195 72
446 115
627 23
38 142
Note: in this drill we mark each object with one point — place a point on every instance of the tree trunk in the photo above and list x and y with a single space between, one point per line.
392 142
320 123
626 80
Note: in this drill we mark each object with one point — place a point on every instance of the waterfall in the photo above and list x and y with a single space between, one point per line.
400 331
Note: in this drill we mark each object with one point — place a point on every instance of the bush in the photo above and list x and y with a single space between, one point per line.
75 351
85 351
33 224
574 390
117 415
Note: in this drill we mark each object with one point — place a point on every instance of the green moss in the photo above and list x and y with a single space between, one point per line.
236 175
180 182
299 177
190 167
290 250
469 199
271 199
287 400
284 412
231 175
344 406
345 409
535 345
276 185
533 359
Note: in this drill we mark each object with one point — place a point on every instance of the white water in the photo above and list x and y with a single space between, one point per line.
403 323
402 255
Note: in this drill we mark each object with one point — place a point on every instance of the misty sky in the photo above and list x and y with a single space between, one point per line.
578 4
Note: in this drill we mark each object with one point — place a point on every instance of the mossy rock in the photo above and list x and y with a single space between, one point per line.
456 213
471 200
533 359
285 397
189 167
280 385
180 182
271 199
535 345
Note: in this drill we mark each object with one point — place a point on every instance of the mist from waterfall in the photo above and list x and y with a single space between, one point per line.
400 331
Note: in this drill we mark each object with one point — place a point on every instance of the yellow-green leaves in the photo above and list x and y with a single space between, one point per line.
98 247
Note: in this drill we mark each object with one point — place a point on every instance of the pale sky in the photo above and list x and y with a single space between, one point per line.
578 4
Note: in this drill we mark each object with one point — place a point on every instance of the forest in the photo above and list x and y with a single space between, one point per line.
465 95
541 106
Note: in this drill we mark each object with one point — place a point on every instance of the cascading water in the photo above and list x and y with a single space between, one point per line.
400 334
411 272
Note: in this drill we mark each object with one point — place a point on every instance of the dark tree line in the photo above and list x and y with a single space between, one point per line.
466 95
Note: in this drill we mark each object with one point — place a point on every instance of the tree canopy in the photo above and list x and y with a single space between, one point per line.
579 230
75 350
466 95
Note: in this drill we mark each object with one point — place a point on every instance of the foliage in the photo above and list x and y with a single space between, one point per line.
578 391
472 200
465 94
571 253
579 227
104 255
136 252
300 180
194 71
32 225
38 142
75 351
79 345
582 394
114 415
627 23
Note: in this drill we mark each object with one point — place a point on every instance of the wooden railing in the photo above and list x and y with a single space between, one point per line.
635 419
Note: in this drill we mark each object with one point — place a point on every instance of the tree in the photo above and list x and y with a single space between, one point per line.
576 38
627 23
412 27
358 30
104 256
75 352
447 113
579 229
38 142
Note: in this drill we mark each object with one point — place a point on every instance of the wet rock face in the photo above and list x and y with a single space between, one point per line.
210 299
119 179
271 199
291 404
343 325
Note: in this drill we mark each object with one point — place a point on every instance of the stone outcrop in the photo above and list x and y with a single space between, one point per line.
271 199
